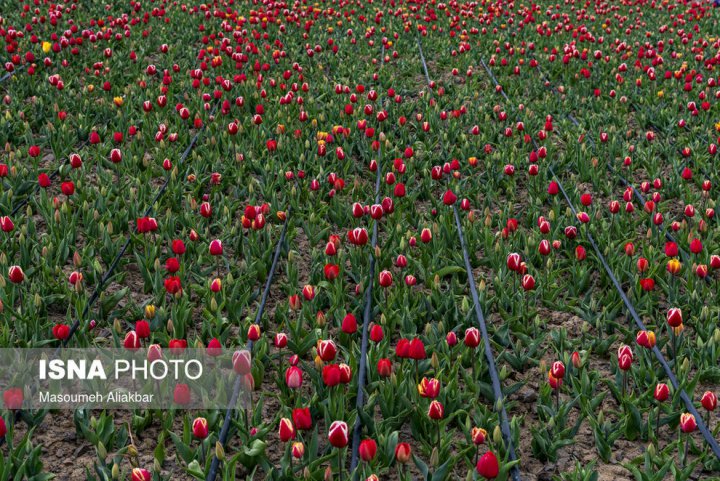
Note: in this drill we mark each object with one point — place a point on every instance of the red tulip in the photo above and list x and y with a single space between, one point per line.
349 324
338 434
331 375
142 328
242 362
326 350
687 423
472 337
6 224
429 388
528 282
425 236
385 279
132 341
16 274
216 247
513 261
200 428
478 435
709 401
558 370
376 333
254 332
308 292
662 392
417 350
173 285
487 466
449 197
181 394
367 449
286 430
332 271
674 317
293 377
139 474
384 367
402 453
302 419
436 411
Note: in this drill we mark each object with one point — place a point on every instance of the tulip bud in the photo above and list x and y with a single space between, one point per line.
219 451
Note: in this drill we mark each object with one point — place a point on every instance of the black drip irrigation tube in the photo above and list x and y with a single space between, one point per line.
367 314
212 474
702 427
499 405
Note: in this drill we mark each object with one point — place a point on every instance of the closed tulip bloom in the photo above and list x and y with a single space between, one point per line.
558 369
429 388
425 235
436 411
687 423
61 332
451 339
139 474
376 333
132 341
645 339
625 362
487 466
528 282
308 292
345 373
298 450
16 274
576 360
253 332
385 279
338 434
472 337
286 430
580 253
417 349
326 350
478 435
142 327
367 449
410 280
384 367
331 375
513 261
449 197
181 394
674 266
6 224
349 324
402 349
214 348
216 247
709 401
402 453
302 419
715 261
332 271
662 392
674 317
242 362
200 428
293 377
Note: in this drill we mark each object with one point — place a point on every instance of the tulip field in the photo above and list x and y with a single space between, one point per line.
443 241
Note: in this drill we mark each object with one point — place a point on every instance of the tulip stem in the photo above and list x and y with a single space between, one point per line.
340 473
657 426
